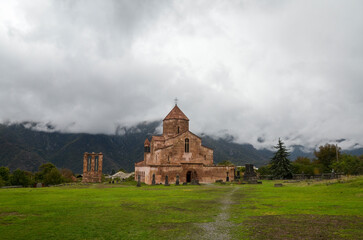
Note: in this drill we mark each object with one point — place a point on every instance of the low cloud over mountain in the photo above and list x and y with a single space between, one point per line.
253 70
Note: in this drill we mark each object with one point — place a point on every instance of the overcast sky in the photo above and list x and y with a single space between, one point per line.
256 70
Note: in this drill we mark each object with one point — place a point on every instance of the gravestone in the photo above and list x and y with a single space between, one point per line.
185 183
138 181
278 185
166 181
195 182
39 185
153 181
177 180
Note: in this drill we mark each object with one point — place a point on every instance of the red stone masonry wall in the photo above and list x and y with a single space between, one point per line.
204 174
91 175
170 127
168 155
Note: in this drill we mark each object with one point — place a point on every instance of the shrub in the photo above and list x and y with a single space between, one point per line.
53 177
5 175
265 170
349 164
20 177
67 175
2 182
44 169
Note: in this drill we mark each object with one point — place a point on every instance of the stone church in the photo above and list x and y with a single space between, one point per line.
179 154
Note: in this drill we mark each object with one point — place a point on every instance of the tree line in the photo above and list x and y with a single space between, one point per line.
327 159
48 174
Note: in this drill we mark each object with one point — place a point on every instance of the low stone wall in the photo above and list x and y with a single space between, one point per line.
307 176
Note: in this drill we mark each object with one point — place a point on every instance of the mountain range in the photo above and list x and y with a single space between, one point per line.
24 147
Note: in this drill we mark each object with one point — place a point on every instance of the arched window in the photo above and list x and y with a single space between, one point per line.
187 145
178 129
147 149
89 164
96 163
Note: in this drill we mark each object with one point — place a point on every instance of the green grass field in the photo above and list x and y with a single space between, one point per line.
319 210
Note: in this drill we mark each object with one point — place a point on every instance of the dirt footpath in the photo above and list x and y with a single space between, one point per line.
221 227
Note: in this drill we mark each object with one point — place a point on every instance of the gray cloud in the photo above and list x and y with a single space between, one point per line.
254 70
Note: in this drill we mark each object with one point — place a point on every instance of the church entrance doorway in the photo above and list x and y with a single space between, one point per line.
189 176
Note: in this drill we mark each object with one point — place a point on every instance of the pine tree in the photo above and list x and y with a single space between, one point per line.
280 164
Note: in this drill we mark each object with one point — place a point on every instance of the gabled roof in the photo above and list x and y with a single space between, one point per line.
146 143
184 133
176 113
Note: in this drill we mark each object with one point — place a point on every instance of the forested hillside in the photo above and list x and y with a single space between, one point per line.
24 148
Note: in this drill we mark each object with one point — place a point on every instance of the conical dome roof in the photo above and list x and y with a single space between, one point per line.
176 113
146 143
